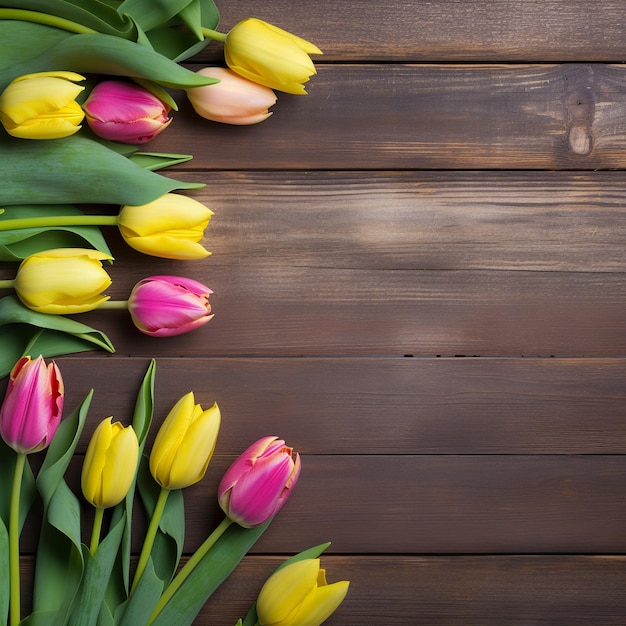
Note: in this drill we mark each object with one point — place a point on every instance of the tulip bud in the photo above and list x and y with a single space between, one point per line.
258 483
184 444
269 55
234 100
42 106
125 112
110 464
163 306
169 227
298 595
32 407
62 281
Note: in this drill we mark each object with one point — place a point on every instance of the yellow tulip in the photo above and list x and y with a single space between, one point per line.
269 55
62 281
298 595
169 227
42 105
184 444
110 464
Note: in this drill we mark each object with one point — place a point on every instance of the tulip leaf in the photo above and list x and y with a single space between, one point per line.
23 40
26 332
106 54
16 244
168 542
151 13
140 605
208 575
76 170
59 564
252 617
119 582
98 568
93 14
156 160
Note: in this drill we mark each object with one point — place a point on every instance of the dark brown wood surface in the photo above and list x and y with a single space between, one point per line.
420 283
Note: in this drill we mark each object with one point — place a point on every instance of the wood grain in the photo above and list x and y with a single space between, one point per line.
461 30
359 116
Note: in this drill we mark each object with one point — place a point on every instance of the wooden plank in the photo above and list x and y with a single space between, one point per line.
471 30
563 116
429 504
378 406
443 591
446 591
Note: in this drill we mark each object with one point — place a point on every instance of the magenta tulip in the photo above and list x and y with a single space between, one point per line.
32 407
125 112
163 306
258 483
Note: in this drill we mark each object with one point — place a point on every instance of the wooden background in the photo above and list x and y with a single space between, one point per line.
419 277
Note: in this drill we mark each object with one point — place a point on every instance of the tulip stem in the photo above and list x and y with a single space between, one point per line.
113 305
14 541
59 220
45 18
7 284
184 572
96 530
150 536
214 34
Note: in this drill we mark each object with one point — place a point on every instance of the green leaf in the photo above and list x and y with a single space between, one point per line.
86 606
18 243
106 54
90 13
61 450
142 418
168 543
208 575
23 40
76 170
149 14
140 605
252 618
59 564
26 332
157 160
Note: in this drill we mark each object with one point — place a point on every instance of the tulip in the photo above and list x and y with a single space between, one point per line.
125 112
269 55
32 406
179 458
163 306
298 595
184 444
234 100
42 105
169 227
62 281
258 483
110 464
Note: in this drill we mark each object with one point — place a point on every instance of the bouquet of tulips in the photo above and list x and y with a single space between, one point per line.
92 583
84 83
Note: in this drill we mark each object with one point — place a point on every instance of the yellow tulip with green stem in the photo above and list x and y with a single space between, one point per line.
108 470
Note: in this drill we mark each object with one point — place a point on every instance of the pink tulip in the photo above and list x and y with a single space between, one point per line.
234 100
125 112
32 407
163 306
258 483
